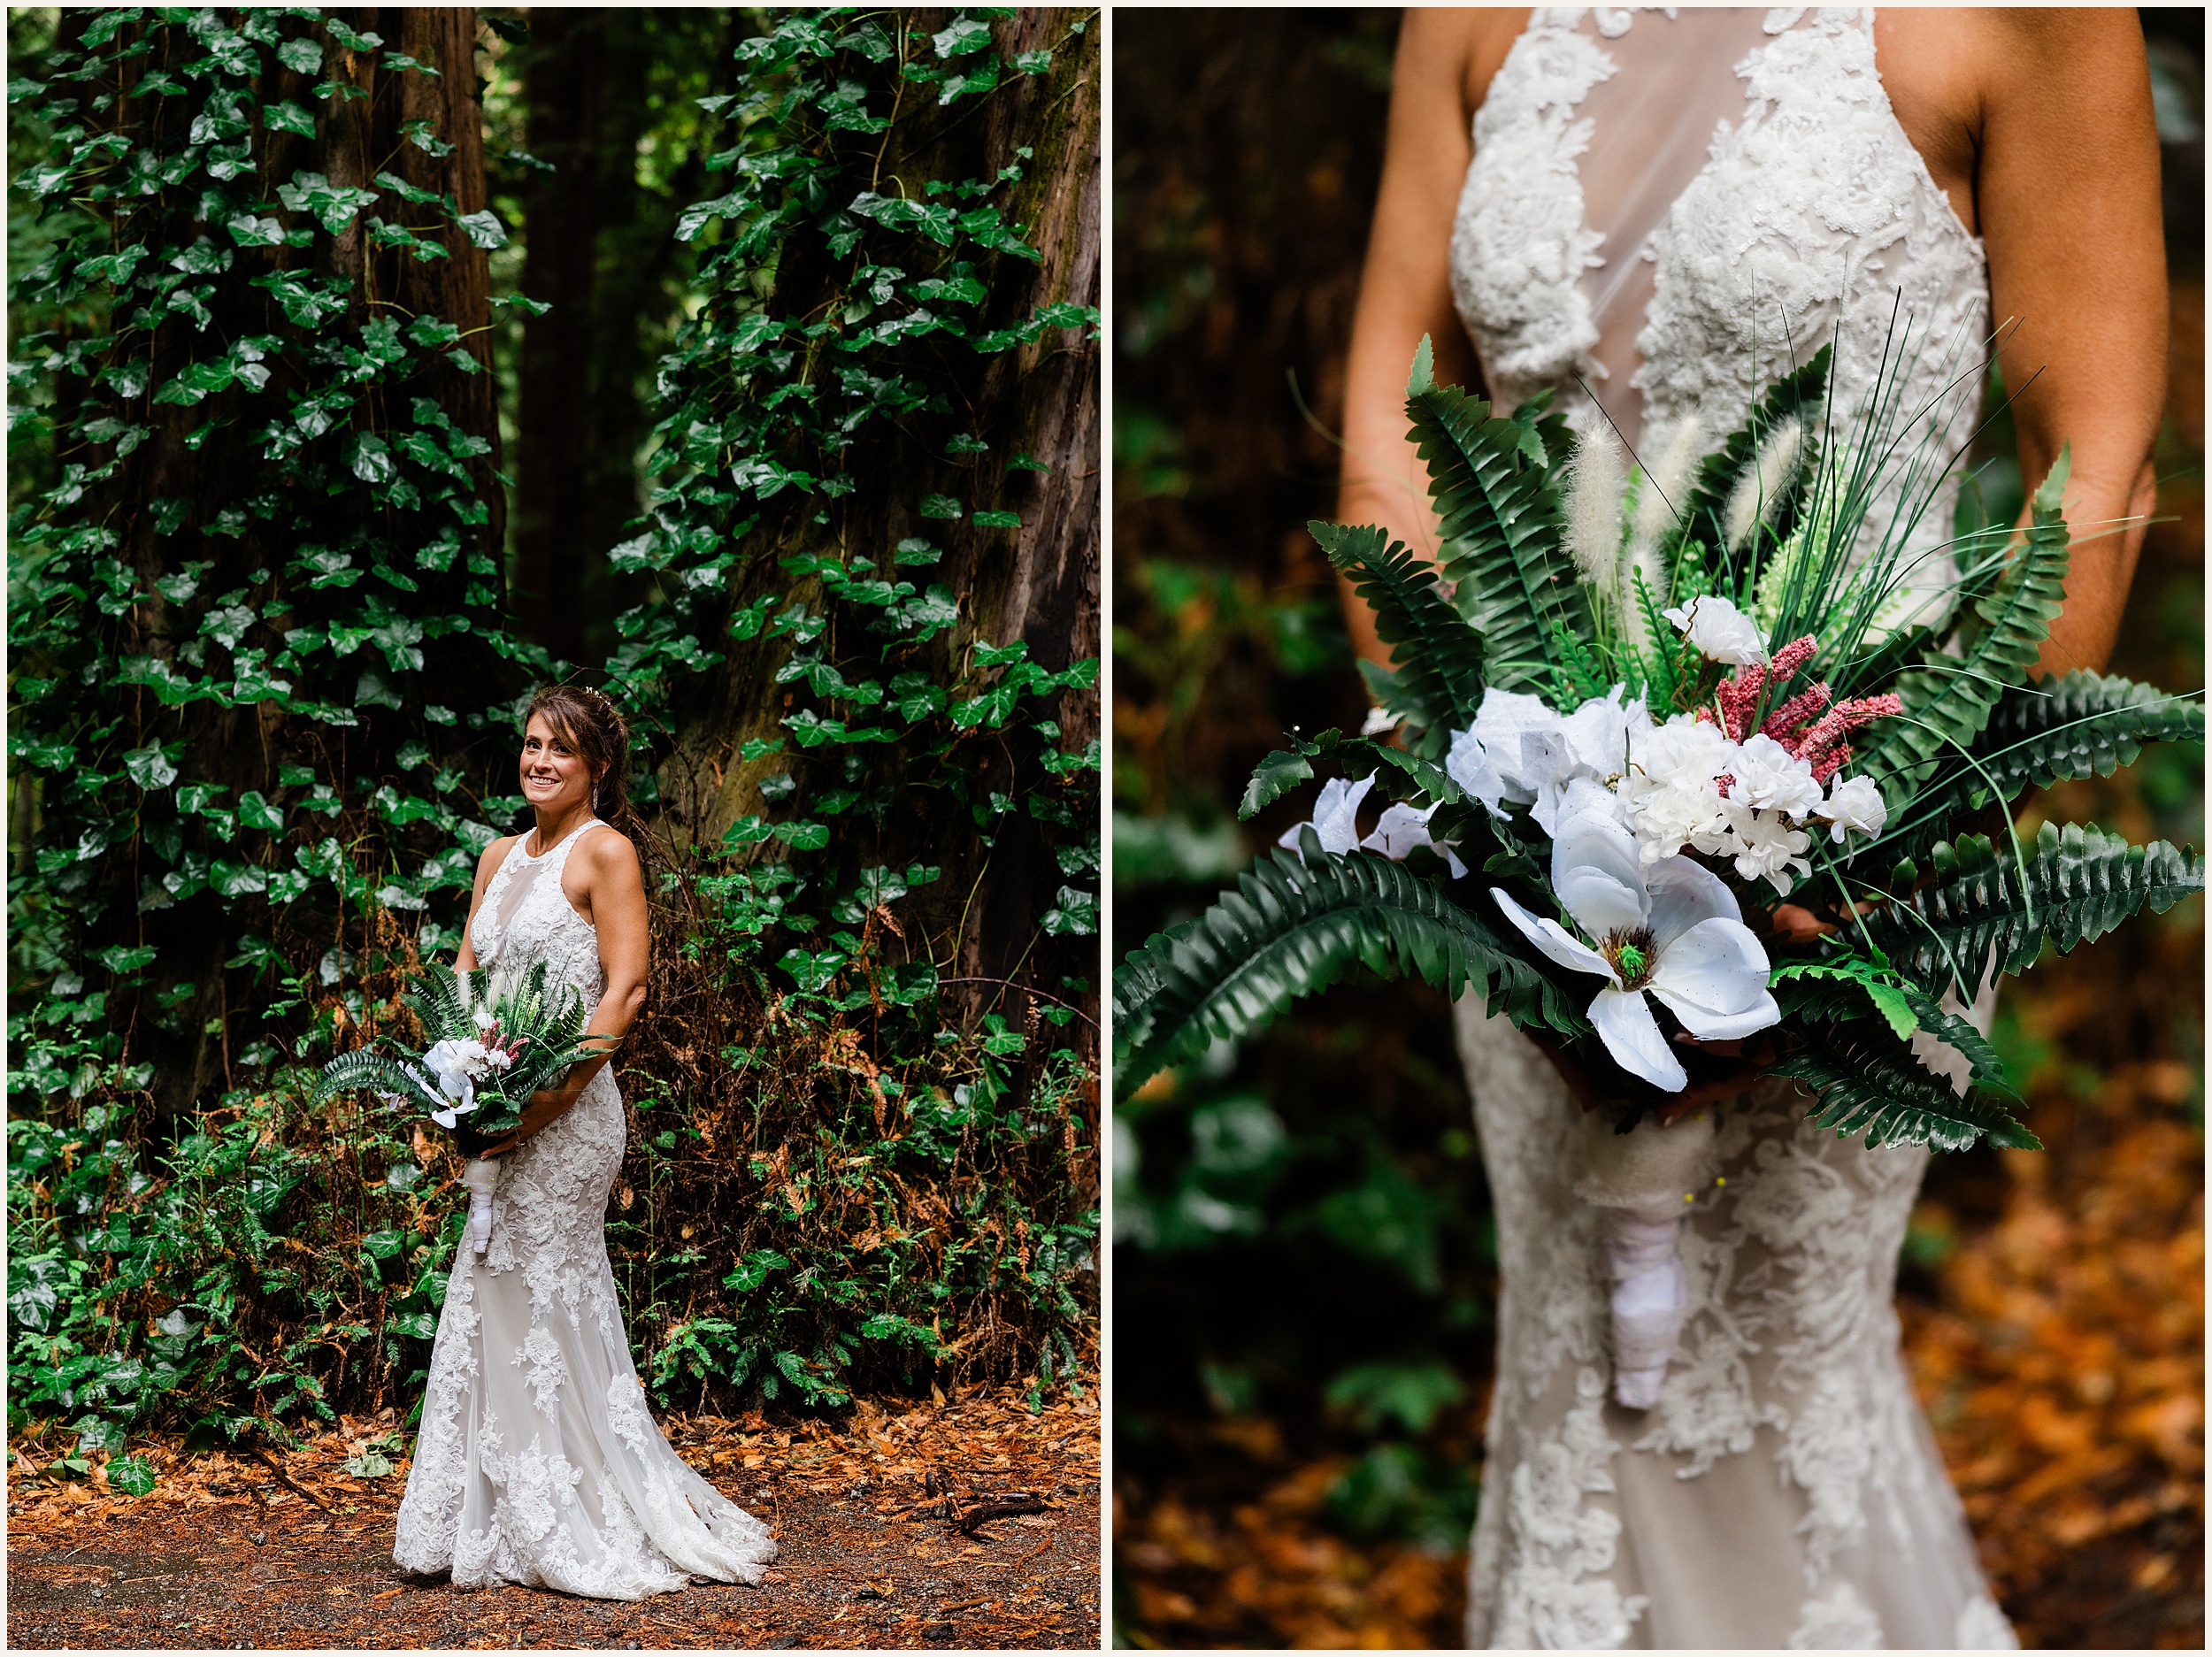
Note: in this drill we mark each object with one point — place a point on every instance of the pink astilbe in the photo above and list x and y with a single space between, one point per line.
1805 725
1740 695
1799 710
1821 744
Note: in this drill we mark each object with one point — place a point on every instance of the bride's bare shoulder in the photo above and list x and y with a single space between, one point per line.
1460 46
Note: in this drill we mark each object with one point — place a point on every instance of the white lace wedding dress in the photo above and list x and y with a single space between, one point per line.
1678 207
537 1460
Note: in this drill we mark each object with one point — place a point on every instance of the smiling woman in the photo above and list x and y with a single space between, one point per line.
538 1461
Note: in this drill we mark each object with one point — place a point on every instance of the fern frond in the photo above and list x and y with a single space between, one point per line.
1869 1081
1974 920
1290 930
1503 534
366 1068
1949 702
1436 656
2083 724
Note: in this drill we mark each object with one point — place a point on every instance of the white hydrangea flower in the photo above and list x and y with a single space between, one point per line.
1855 806
1335 815
1671 791
1673 928
1769 778
1720 630
1766 847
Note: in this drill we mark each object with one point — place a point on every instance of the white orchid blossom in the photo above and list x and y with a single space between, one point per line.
1519 752
1402 828
1335 815
1673 928
456 1065
1719 629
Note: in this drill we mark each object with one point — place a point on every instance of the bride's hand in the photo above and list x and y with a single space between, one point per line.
544 1108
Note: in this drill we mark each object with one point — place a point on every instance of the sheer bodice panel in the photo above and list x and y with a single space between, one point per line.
1678 208
538 1461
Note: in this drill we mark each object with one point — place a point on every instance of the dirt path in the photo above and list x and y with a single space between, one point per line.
226 1554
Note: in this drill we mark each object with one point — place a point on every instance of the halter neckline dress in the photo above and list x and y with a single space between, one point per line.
538 1461
1677 207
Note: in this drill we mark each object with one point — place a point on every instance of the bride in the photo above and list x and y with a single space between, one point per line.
538 1461
1663 208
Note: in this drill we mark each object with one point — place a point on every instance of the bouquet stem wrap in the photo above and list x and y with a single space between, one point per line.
1640 1180
482 1178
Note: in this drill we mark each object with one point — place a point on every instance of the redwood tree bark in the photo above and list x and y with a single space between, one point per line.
555 472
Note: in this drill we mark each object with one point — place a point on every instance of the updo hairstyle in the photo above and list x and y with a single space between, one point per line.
594 729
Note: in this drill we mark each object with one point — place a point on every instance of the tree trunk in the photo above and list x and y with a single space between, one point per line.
554 473
210 473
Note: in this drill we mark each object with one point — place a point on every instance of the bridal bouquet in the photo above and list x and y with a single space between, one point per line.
1689 757
495 1041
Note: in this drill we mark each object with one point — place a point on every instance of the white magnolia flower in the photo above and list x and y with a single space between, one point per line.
1673 928
1716 627
1402 829
1769 778
1520 752
1333 816
1854 805
457 1063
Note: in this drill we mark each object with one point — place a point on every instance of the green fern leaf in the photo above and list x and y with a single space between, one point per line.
1501 524
1869 1081
1290 930
1948 702
1437 657
1974 920
2081 725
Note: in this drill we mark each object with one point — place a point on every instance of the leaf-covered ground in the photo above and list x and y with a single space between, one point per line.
228 1552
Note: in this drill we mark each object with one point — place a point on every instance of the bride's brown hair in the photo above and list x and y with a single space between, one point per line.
594 729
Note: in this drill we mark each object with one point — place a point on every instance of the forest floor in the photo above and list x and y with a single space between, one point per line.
868 1512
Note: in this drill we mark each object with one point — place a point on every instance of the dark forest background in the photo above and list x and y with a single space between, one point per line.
1304 1262
371 366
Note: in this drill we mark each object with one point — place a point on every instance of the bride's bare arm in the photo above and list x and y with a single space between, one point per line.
2068 189
486 866
1445 61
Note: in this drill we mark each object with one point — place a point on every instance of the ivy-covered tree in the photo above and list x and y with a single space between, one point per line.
879 455
265 691
253 595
